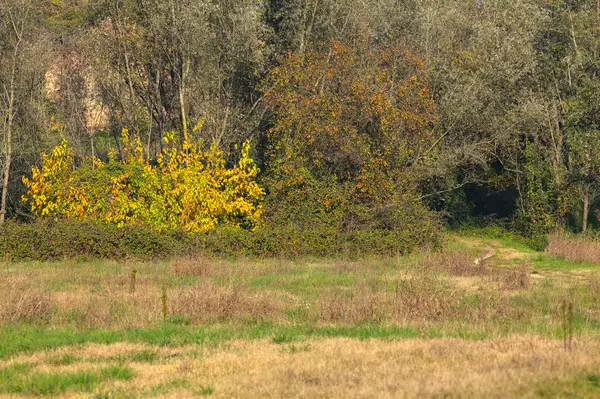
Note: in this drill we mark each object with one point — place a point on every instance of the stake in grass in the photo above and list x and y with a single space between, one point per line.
132 284
567 323
164 303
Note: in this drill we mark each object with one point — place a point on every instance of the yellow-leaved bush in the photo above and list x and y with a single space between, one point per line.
185 188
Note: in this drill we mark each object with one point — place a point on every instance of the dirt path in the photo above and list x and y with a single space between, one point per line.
495 254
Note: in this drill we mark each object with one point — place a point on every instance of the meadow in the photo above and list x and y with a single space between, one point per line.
481 317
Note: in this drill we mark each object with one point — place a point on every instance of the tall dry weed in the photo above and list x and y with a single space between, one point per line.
191 266
577 249
514 279
594 286
423 297
357 306
209 302
25 305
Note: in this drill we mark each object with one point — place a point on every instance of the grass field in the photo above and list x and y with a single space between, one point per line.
515 323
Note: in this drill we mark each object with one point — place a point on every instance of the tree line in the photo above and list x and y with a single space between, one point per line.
359 113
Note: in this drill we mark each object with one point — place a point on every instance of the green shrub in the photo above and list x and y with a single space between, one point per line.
52 240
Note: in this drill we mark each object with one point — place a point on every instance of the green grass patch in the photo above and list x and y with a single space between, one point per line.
579 386
548 262
17 378
504 236
31 338
26 338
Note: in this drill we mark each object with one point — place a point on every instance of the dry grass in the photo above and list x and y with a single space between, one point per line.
515 279
576 249
26 304
443 294
424 297
522 366
435 368
433 289
192 266
208 303
457 263
436 287
594 286
356 306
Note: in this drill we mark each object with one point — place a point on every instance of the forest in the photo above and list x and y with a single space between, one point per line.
380 120
300 198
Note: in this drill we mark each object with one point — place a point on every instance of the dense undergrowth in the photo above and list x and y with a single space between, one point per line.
65 239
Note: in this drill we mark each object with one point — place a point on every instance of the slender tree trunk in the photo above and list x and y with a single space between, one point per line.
160 110
149 134
7 150
129 78
182 100
186 138
180 65
10 121
595 26
93 151
558 143
307 24
123 47
223 126
586 210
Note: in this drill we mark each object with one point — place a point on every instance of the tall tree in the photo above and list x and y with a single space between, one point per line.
21 80
167 65
360 118
567 84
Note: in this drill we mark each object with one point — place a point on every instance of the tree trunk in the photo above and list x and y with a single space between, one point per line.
558 143
9 126
93 151
7 151
180 65
586 210
182 100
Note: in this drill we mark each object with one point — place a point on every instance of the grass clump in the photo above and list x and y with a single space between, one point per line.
168 386
146 356
205 390
62 360
25 305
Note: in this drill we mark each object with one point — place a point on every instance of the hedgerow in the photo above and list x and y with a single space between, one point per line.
48 240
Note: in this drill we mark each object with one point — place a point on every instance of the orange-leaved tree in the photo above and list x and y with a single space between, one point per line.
360 119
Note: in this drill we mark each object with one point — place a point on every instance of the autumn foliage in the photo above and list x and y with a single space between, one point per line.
350 139
362 119
186 188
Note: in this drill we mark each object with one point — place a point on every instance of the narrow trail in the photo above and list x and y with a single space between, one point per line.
496 254
490 252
